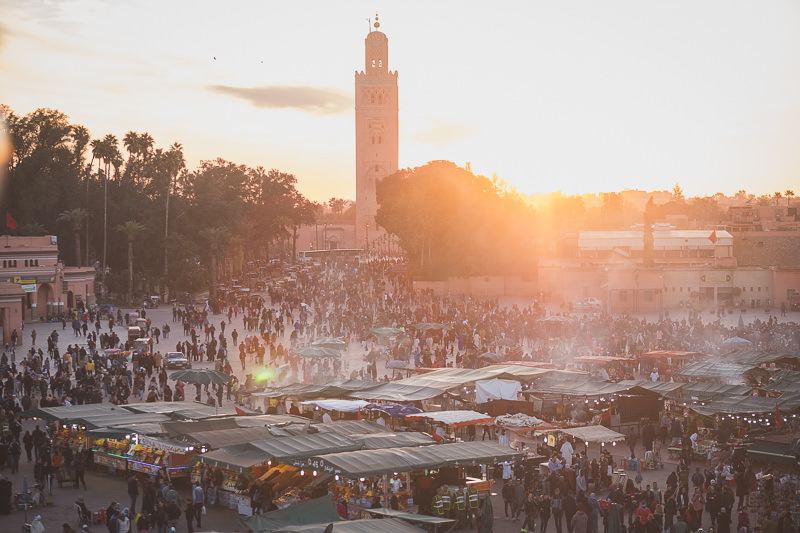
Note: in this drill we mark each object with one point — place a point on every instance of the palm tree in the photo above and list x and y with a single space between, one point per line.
130 228
174 164
215 237
778 196
789 194
109 154
75 218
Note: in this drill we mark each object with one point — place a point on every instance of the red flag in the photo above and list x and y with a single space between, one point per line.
713 237
778 417
240 412
10 222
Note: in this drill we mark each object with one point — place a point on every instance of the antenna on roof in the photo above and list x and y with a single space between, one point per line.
369 24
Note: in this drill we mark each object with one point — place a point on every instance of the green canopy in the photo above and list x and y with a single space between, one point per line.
366 463
320 510
387 525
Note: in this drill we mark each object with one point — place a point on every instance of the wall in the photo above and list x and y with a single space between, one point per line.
785 281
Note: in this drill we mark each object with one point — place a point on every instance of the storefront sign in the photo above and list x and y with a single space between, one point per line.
120 463
161 445
145 468
28 287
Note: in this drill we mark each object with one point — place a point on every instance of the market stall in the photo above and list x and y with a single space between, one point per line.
446 423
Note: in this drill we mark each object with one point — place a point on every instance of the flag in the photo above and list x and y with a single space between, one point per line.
10 222
713 237
778 417
240 412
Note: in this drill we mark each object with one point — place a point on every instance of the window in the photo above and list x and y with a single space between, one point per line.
379 139
751 289
372 99
380 62
5 264
759 289
26 263
373 63
681 289
376 168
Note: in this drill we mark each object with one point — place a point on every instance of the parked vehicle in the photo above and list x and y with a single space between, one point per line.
589 303
176 360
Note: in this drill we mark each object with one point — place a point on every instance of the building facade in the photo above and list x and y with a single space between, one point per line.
32 264
376 131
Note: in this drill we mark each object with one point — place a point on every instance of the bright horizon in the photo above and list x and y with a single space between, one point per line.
578 97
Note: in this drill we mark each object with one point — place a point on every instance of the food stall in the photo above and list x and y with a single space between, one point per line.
362 475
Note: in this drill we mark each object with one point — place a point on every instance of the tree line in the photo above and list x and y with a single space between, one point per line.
134 210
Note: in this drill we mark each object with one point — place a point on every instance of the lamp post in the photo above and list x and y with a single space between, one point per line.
366 239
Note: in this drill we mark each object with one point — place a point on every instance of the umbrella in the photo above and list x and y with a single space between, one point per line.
396 364
426 326
203 376
493 357
555 319
736 342
330 342
487 514
384 332
313 352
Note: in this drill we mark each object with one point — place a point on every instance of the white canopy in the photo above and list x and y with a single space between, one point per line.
496 389
345 406
455 418
594 434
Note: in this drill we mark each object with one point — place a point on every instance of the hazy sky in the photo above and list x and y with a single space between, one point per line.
557 95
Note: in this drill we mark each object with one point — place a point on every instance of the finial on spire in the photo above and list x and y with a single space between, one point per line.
377 24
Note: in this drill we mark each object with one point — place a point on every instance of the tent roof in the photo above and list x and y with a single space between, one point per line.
397 392
285 448
387 525
184 427
234 459
594 434
602 359
449 378
716 369
319 510
455 418
754 357
748 404
221 438
377 462
188 410
668 354
344 406
269 420
411 517
352 427
118 419
66 413
378 441
588 388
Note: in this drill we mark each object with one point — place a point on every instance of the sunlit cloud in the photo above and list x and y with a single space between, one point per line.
311 99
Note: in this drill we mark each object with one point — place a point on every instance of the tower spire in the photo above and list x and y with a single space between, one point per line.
377 24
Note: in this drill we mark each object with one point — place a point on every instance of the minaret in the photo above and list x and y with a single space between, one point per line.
376 131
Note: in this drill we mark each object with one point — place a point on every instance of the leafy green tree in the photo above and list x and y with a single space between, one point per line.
452 222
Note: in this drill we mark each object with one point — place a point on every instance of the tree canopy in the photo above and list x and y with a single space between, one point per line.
60 177
452 222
